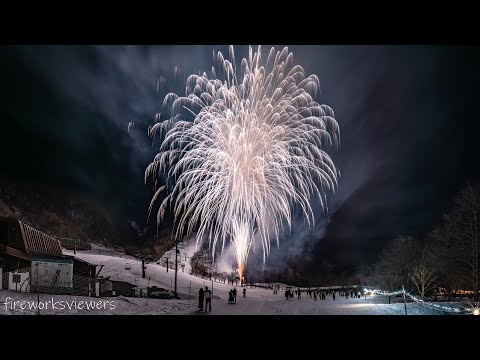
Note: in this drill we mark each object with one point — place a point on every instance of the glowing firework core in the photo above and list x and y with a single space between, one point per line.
254 149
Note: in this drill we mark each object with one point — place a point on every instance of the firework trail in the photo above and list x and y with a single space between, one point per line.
255 149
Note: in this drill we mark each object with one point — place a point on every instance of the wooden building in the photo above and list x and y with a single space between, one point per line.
23 247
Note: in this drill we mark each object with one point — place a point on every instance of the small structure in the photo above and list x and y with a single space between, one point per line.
122 288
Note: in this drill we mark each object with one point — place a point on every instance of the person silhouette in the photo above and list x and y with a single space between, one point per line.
201 296
235 295
208 299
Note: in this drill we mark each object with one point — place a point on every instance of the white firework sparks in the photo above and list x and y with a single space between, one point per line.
255 149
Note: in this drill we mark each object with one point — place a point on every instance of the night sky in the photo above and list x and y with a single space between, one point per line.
407 114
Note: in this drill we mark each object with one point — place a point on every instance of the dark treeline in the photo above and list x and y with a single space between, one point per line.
446 258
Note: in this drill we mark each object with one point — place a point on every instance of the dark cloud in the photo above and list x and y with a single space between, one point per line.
407 117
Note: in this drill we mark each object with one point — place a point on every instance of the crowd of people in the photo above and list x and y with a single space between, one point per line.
320 294
206 296
232 295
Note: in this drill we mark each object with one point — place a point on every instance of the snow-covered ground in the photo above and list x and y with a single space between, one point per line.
256 302
263 302
186 250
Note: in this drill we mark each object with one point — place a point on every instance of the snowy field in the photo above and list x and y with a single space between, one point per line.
256 302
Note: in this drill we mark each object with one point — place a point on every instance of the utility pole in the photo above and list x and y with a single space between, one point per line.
148 285
167 264
38 294
176 267
403 277
143 268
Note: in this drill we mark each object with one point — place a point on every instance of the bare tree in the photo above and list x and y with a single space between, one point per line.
421 269
444 254
423 278
388 270
406 262
463 224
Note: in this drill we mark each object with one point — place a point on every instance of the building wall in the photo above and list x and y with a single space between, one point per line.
54 275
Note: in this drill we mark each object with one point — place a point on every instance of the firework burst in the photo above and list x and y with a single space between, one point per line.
254 150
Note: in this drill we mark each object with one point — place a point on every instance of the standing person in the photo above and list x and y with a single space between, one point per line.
333 296
201 295
230 296
208 299
235 295
244 291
